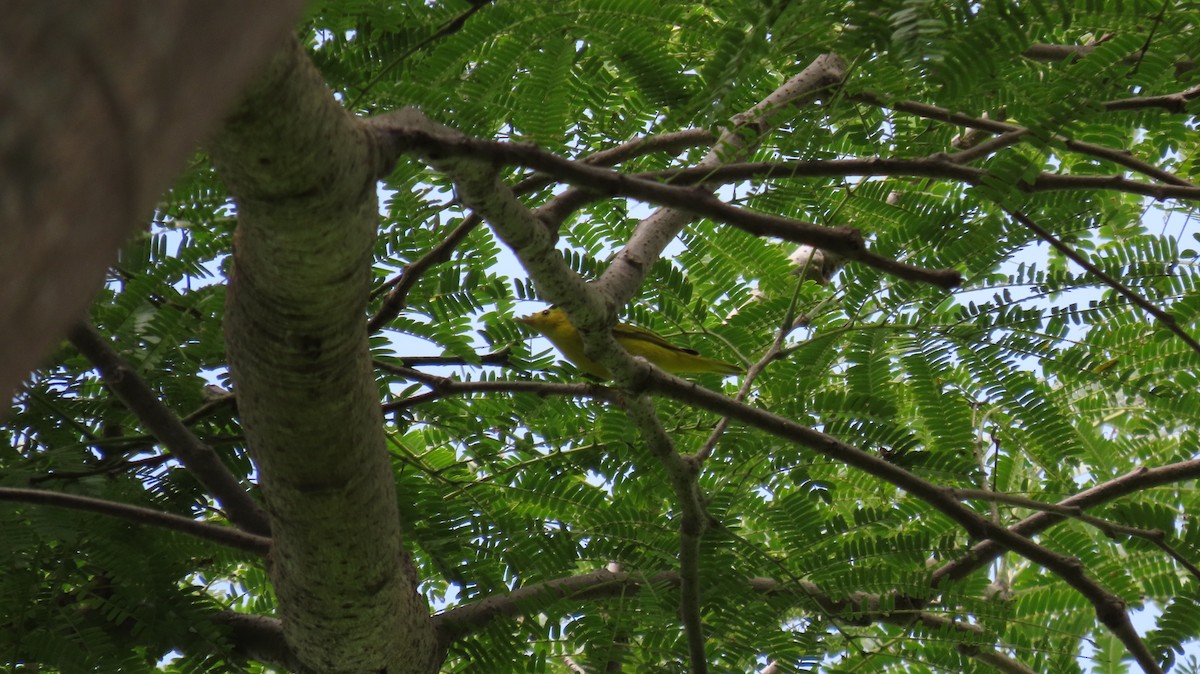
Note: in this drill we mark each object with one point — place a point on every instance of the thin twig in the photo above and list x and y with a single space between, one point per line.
1166 319
449 28
443 386
1120 157
495 358
986 148
1111 529
985 552
105 468
397 298
934 166
701 455
130 444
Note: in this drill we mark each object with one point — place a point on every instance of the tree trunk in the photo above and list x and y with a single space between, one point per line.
302 171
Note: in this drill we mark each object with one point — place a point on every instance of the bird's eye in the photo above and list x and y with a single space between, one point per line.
545 312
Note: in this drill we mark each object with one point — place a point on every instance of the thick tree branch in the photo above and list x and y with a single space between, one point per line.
229 537
412 131
302 172
624 275
552 212
199 458
260 638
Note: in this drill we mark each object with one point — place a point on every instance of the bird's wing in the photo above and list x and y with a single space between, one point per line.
634 332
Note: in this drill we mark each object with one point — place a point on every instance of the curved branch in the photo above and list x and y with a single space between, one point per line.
981 555
397 298
410 129
229 537
199 458
1110 609
859 608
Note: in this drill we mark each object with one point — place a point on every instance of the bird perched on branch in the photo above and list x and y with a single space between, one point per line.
556 327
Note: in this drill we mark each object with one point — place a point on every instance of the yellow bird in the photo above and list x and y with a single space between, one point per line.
555 326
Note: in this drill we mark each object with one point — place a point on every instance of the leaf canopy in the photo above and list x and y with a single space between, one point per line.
1035 379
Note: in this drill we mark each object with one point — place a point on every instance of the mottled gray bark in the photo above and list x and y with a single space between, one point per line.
302 171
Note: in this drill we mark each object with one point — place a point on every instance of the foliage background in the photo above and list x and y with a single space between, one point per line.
1034 378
